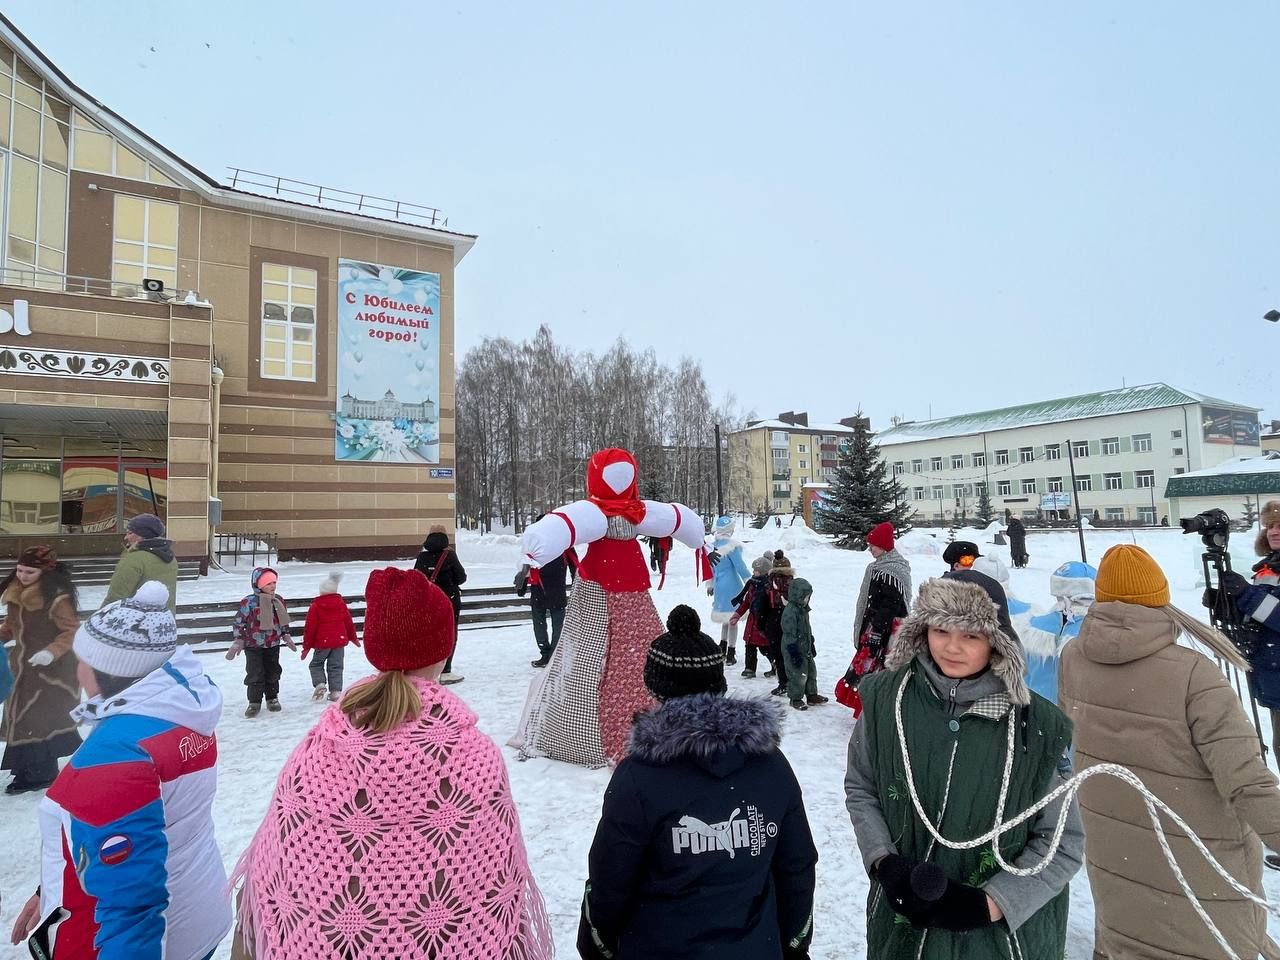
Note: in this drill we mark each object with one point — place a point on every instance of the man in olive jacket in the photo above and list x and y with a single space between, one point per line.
148 555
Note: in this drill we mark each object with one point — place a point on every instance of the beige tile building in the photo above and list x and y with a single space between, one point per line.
774 459
109 392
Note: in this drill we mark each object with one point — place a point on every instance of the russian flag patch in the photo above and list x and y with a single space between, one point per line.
115 849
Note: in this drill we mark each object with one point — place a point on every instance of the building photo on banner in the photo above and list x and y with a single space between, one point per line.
388 337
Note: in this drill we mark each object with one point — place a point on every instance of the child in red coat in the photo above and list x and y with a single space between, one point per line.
329 629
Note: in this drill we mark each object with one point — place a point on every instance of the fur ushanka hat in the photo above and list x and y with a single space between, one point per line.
964 604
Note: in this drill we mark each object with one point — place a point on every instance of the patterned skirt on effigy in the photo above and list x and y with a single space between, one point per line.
580 709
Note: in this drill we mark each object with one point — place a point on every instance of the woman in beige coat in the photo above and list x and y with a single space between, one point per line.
1165 711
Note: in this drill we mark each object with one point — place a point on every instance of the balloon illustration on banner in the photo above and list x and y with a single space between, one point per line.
387 391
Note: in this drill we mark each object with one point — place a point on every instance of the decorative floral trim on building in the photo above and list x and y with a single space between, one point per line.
83 366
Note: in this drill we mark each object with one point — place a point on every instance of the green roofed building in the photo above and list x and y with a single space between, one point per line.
1227 486
1126 444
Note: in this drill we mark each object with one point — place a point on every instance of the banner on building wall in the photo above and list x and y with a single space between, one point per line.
1230 426
388 364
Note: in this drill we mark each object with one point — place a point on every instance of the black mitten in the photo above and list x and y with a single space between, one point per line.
894 873
960 908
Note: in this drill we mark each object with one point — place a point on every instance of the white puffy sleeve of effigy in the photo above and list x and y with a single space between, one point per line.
578 522
672 520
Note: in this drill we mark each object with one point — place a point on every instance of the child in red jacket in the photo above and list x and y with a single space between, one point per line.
329 629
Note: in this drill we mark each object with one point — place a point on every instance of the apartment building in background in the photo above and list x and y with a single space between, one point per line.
774 459
1126 444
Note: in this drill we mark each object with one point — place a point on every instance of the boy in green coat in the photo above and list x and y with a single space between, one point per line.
797 647
954 685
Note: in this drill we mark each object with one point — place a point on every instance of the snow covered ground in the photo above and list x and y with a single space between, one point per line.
559 804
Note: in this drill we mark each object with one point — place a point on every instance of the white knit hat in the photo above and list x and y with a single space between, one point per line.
132 637
332 582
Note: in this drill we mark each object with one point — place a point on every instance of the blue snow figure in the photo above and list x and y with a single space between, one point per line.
1072 586
729 575
6 677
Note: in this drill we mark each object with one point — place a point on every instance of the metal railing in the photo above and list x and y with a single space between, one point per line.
53 282
250 181
233 546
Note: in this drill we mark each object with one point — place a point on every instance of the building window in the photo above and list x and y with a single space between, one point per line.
804 464
957 461
979 489
980 459
1053 485
1114 513
1079 448
1084 484
1142 443
1175 434
1052 451
1004 488
939 493
1177 451
1147 515
1002 458
803 481
917 466
288 322
935 463
957 490
145 244
918 493
1113 481
1178 471
1146 479
802 449
1110 446
897 468
779 439
1028 486
1026 454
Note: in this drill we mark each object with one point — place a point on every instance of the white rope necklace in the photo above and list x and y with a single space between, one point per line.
1154 805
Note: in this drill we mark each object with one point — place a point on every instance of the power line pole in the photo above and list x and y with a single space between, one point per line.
719 481
1075 489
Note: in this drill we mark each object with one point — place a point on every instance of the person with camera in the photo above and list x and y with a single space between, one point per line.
1259 606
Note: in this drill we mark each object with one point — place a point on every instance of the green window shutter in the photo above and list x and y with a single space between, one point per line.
1095 448
1099 482
1126 479
1126 444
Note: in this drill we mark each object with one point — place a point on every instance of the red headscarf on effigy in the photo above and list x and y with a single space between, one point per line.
612 483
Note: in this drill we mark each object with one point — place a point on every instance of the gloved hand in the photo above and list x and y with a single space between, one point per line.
894 875
1209 598
734 619
235 649
713 557
521 583
711 590
1234 584
304 653
41 658
960 908
288 640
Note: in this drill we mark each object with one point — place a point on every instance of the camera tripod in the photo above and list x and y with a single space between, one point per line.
1225 616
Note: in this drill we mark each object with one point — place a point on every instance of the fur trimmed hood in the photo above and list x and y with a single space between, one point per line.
1270 514
717 733
955 603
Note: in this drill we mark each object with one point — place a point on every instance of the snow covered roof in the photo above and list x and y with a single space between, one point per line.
1151 396
1237 475
798 428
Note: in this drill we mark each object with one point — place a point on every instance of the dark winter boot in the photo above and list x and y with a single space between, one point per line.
749 674
770 673
541 662
731 657
273 705
816 698
798 705
253 709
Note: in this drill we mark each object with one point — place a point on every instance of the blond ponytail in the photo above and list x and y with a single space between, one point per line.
383 704
1215 640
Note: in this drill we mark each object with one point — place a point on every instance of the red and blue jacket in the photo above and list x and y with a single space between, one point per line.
130 867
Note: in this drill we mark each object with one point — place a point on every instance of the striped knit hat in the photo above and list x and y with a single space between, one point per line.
684 660
132 637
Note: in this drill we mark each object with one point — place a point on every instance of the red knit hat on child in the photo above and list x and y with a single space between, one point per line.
881 536
408 621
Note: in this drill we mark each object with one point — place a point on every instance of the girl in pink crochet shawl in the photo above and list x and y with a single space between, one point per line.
392 831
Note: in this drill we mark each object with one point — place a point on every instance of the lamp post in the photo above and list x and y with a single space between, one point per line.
216 377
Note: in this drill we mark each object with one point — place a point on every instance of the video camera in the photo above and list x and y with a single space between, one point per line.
1214 527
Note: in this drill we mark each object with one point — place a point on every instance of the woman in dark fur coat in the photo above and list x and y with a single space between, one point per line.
704 839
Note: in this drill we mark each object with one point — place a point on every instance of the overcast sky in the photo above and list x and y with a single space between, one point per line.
935 208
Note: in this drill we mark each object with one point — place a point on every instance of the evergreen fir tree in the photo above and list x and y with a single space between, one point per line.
862 494
985 510
1250 514
760 519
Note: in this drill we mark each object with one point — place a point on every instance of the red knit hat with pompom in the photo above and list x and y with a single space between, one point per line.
408 621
